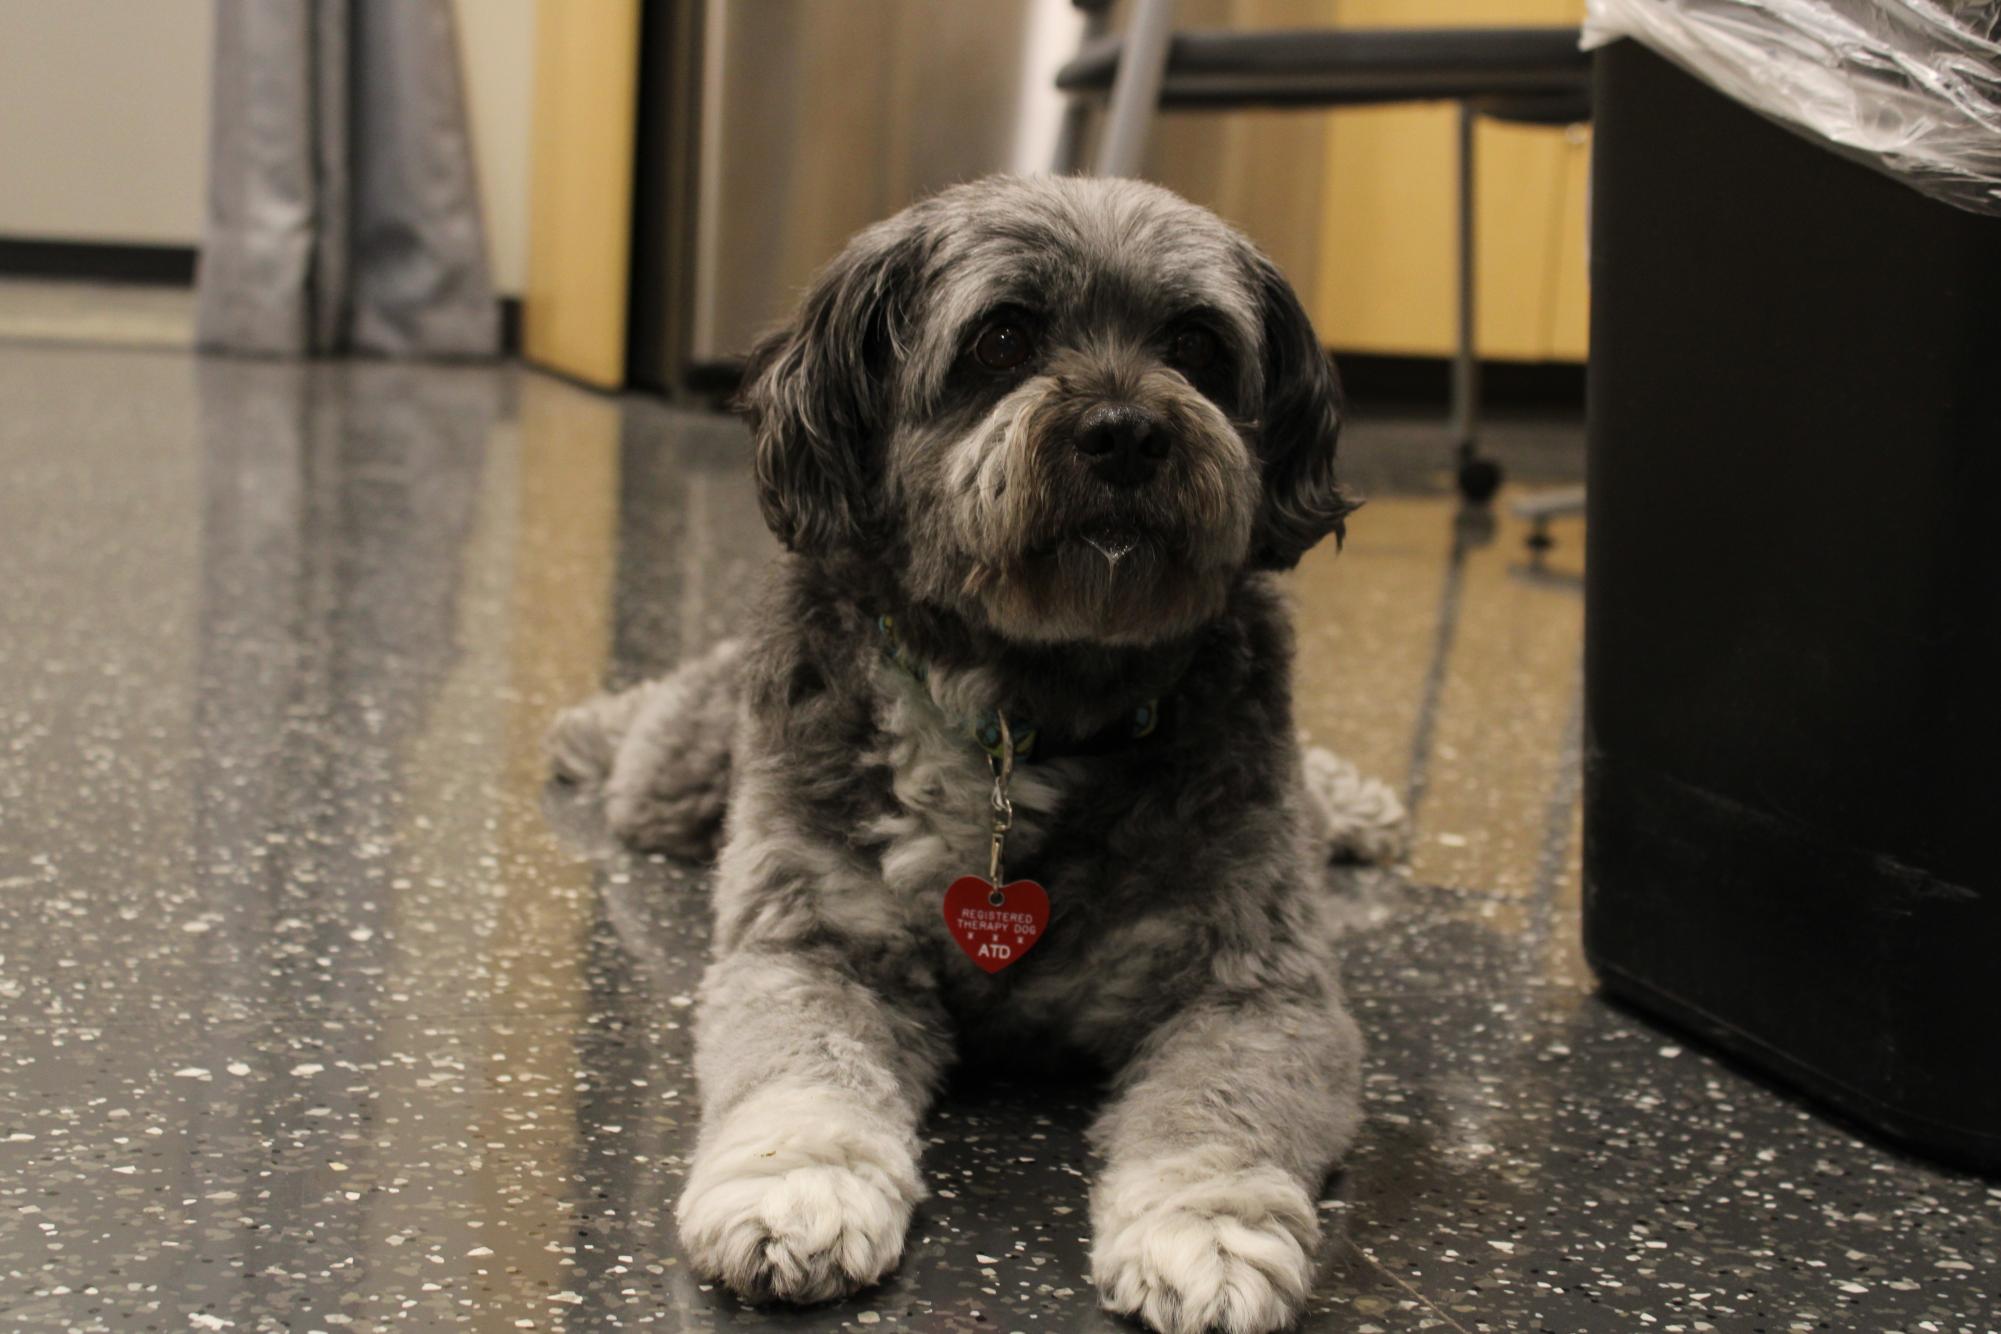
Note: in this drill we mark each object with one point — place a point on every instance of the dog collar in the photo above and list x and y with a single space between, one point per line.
1147 719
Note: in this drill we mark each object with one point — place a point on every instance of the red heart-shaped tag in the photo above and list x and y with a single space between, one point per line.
995 927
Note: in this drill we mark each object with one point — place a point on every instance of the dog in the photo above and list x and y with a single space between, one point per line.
1035 448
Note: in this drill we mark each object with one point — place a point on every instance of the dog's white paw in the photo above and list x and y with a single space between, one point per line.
1361 819
1231 1252
797 1197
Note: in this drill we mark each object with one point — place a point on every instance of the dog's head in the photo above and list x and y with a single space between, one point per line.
1066 408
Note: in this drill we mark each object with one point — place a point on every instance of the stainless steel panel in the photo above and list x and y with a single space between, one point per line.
821 116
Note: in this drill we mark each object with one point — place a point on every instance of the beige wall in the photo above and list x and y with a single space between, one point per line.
103 118
497 47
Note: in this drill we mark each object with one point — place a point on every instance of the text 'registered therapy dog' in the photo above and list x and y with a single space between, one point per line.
1035 446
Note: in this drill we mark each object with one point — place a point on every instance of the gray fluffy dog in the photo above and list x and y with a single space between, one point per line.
1034 446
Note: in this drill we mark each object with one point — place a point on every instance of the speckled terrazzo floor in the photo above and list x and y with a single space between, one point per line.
321 1014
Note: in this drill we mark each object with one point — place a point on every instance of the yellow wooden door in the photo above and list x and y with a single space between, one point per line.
580 193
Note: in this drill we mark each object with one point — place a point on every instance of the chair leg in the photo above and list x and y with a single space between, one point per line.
1136 88
1069 157
1479 478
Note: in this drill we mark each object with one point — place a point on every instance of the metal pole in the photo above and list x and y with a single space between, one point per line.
1136 88
1465 361
1077 111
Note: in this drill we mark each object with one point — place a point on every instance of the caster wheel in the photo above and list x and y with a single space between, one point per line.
1479 479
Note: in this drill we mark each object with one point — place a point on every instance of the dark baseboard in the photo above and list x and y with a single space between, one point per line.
152 266
510 326
1370 378
716 381
95 261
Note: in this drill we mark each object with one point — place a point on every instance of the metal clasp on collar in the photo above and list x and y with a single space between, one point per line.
1002 760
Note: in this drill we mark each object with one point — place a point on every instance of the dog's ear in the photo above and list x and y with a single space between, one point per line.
1298 424
816 394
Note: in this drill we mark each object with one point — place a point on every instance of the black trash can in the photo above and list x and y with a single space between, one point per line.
1793 637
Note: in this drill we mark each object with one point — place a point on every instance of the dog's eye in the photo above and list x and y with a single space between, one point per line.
1195 349
1002 346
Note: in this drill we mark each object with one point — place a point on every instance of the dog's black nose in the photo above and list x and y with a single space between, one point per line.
1124 443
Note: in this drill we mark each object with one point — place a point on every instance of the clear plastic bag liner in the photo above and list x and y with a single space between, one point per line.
1911 87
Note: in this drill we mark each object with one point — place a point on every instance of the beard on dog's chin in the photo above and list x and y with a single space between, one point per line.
1109 581
1113 541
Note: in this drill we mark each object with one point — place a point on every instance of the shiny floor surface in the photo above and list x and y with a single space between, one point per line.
320 1013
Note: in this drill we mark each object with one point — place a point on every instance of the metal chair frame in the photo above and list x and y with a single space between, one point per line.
1512 74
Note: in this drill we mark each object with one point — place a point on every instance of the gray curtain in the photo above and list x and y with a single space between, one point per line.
343 210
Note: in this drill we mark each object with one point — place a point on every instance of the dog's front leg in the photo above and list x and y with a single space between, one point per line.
1215 1145
813 1085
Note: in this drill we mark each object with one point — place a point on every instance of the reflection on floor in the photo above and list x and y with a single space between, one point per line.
321 1014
